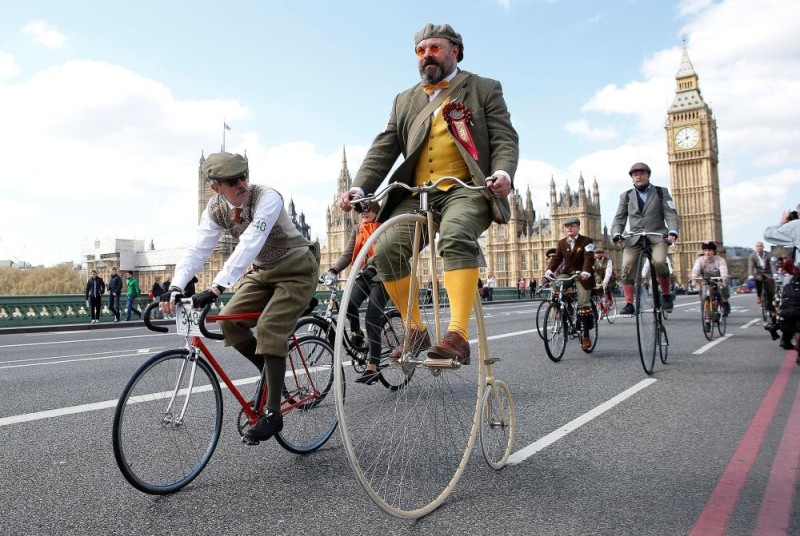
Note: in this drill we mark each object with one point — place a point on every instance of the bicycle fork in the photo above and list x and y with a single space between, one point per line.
168 416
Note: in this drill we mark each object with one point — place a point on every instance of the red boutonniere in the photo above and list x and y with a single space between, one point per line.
457 117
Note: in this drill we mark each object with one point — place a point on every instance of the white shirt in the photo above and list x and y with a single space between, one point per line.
250 243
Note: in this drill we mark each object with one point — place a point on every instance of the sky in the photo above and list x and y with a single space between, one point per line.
107 107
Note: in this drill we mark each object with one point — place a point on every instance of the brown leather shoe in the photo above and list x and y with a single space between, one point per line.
416 341
452 347
586 343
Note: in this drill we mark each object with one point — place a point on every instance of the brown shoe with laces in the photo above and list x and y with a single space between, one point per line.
452 348
416 341
586 343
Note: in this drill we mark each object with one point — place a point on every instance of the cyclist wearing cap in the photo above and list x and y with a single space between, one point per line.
280 283
647 208
712 265
368 285
603 268
576 253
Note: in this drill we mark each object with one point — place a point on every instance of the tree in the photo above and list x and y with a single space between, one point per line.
61 279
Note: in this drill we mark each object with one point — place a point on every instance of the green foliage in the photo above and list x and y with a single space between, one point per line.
62 279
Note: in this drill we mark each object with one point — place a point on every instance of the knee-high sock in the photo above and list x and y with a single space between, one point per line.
627 290
461 286
398 291
276 370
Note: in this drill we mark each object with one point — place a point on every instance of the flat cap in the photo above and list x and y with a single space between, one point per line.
441 30
224 166
572 221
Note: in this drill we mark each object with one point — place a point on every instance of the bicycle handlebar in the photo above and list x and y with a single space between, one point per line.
629 234
201 323
427 187
564 279
146 318
187 303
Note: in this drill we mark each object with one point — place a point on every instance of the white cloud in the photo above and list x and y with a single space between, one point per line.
8 66
505 4
581 128
43 34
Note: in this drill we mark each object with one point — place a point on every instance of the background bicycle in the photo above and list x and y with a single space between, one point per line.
561 321
323 324
605 302
711 315
168 419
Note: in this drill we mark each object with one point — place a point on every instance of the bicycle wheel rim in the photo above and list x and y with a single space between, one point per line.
594 333
309 409
159 447
409 447
722 325
611 314
663 345
646 315
539 319
555 330
497 424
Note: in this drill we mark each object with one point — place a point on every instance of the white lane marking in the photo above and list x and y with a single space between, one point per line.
525 453
753 321
712 344
62 360
106 353
84 341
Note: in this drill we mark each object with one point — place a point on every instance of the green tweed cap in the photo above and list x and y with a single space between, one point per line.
224 166
441 30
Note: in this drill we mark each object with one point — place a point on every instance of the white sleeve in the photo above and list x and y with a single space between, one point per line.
696 269
207 236
609 269
723 268
252 239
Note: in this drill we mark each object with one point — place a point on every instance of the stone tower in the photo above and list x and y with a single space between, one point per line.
694 177
339 223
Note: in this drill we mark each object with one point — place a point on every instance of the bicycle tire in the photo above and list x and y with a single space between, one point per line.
309 414
156 451
647 314
497 426
611 312
764 311
707 317
663 345
722 322
392 336
326 329
594 333
556 331
409 447
539 319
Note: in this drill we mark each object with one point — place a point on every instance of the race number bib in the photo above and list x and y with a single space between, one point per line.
186 321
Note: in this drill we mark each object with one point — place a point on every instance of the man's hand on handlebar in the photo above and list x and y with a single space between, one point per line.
169 299
617 238
671 238
207 297
347 198
498 185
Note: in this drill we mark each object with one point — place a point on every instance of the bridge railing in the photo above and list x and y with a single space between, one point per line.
57 309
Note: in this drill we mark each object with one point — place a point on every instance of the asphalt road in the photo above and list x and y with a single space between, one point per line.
710 443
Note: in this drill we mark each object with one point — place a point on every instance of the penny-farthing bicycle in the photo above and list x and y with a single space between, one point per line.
409 447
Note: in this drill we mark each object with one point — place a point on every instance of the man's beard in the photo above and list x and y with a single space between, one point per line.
432 71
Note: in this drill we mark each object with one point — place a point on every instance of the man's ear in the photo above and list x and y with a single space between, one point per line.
214 186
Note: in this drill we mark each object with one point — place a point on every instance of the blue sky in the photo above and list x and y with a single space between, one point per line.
107 107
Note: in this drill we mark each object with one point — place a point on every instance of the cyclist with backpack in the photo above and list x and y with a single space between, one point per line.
649 208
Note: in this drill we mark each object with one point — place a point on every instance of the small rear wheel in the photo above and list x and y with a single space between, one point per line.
663 345
497 424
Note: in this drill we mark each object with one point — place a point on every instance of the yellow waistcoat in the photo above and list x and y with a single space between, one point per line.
440 157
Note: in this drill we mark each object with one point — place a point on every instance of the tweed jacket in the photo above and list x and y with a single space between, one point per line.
580 259
495 138
657 210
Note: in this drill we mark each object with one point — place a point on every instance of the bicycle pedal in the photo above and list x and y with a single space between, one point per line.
250 441
442 364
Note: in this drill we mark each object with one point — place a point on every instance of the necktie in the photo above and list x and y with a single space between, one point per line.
237 215
571 244
429 89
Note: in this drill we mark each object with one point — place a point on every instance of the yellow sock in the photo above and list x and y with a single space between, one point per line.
398 291
461 287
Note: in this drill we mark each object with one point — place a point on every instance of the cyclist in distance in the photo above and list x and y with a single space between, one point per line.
603 268
648 208
712 265
577 253
760 270
368 285
280 283
464 130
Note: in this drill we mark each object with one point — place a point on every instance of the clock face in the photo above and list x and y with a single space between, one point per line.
686 137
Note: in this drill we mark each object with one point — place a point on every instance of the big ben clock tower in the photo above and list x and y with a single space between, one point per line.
694 177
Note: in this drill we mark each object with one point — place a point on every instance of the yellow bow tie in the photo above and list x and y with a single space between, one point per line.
429 89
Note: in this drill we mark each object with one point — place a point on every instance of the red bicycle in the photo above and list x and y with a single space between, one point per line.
606 303
169 417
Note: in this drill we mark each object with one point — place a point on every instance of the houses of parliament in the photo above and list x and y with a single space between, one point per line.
516 250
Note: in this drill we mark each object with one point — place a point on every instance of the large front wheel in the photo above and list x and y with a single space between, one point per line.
497 424
167 422
646 312
408 447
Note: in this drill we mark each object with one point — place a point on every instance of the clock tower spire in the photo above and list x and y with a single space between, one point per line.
694 178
